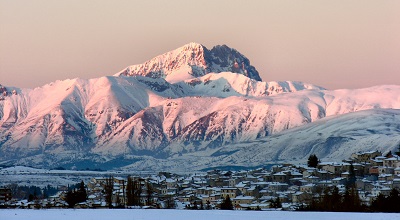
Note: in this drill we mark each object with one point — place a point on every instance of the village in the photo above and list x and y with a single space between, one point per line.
282 187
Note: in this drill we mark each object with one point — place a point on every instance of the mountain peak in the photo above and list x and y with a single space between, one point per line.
193 45
194 60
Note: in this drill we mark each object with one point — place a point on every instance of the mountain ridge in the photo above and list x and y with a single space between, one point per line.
103 118
91 109
164 120
193 60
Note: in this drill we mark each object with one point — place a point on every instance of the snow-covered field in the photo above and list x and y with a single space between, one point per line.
136 214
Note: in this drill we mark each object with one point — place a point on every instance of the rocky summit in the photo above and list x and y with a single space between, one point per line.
195 60
189 109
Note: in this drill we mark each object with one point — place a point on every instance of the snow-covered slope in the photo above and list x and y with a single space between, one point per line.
164 117
332 138
140 117
227 84
193 60
94 115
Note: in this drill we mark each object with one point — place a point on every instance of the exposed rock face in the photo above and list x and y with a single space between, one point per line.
196 60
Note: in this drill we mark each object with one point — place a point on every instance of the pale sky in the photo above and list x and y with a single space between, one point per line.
333 44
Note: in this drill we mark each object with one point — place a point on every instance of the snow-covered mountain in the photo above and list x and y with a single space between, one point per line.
216 119
193 60
95 114
332 138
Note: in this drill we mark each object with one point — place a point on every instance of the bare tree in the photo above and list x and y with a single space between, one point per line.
149 193
130 193
108 190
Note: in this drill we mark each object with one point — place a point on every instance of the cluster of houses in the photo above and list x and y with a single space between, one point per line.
251 189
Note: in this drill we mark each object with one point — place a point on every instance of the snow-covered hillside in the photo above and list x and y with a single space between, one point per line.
155 123
114 117
331 138
111 114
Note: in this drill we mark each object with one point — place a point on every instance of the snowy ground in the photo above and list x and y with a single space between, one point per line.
136 214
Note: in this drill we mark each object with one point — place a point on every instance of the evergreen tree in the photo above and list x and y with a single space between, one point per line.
30 198
393 201
45 193
227 204
351 200
82 194
313 161
275 203
70 199
331 200
389 203
351 180
379 204
336 198
35 194
130 192
76 196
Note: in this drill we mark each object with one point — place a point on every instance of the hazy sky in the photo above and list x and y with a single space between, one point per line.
334 44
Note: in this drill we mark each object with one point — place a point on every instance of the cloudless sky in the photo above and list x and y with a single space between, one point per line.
333 44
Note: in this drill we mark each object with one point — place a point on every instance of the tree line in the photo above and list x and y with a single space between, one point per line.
31 192
331 200
137 192
76 195
349 201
